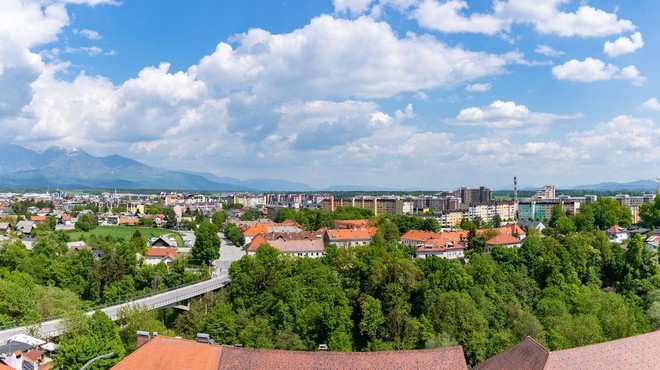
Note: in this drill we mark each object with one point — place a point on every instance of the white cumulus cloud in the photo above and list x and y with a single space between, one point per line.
448 17
505 114
321 59
90 34
590 70
548 51
478 87
624 45
652 104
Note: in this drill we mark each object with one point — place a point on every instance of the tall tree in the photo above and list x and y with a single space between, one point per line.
207 243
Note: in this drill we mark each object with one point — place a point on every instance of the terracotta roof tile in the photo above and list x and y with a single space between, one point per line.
161 252
353 234
165 353
440 359
632 353
351 224
503 239
526 355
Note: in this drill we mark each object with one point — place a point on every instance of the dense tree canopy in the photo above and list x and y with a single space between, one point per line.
207 243
650 213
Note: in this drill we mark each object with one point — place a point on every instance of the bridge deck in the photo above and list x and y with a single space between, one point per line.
53 328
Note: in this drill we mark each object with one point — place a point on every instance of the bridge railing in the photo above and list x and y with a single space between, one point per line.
134 299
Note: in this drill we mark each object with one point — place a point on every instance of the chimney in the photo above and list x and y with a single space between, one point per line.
323 347
203 338
142 338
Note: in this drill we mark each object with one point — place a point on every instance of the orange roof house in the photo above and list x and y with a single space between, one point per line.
129 221
155 255
39 218
417 237
347 238
503 240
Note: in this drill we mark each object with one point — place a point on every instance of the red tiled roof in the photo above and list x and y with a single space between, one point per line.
503 239
526 355
432 359
419 235
444 241
33 355
161 252
632 353
637 352
128 220
257 229
38 218
351 224
510 229
615 229
165 353
298 246
256 242
372 230
353 234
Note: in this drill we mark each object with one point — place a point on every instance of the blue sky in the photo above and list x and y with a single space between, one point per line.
397 93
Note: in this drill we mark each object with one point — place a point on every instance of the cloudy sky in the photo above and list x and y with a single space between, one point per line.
398 93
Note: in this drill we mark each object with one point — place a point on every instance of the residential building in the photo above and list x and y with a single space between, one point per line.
347 238
155 255
313 248
546 192
504 240
541 209
469 196
416 237
25 227
617 235
378 205
526 225
450 219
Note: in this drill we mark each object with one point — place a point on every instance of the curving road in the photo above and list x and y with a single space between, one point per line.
228 254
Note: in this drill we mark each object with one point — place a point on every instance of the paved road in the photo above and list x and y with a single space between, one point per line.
52 328
228 254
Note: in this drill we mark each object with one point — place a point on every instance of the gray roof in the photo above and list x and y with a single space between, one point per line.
11 347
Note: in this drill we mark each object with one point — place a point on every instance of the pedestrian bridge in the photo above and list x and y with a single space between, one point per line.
52 328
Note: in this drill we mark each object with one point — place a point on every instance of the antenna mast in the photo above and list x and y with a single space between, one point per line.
515 189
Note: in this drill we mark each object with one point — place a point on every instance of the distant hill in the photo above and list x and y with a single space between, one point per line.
359 188
258 184
75 168
639 185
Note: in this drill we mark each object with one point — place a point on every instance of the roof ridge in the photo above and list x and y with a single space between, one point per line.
538 344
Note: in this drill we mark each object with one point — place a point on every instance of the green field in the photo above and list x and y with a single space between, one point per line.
126 232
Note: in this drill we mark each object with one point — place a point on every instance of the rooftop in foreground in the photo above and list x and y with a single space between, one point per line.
164 353
637 352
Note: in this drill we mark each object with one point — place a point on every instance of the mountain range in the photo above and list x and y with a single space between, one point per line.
73 168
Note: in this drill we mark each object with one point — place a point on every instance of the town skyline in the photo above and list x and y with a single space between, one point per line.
403 94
